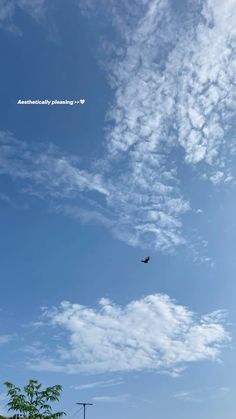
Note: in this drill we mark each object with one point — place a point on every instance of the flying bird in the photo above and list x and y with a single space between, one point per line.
146 260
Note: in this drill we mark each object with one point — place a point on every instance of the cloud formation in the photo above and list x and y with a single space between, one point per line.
5 339
46 172
102 384
153 333
202 395
187 396
174 96
8 8
45 169
111 399
173 79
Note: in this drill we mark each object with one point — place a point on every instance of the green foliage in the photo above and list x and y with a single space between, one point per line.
33 402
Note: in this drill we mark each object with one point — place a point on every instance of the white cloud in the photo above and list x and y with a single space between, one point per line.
111 399
152 219
5 339
187 85
225 390
35 349
203 394
217 177
154 333
36 8
173 90
187 396
8 8
173 106
167 95
103 384
51 173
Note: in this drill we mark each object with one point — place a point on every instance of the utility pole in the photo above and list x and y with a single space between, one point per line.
84 406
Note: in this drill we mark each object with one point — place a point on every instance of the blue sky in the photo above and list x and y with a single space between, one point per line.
146 166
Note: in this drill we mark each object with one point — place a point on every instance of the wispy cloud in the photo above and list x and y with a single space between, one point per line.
154 333
111 399
34 349
173 91
187 396
46 172
4 197
4 339
174 106
8 8
202 395
53 174
36 8
95 384
173 79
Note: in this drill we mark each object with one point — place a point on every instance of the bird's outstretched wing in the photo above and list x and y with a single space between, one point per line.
146 260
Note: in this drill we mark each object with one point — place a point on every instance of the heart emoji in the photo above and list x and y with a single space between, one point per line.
82 101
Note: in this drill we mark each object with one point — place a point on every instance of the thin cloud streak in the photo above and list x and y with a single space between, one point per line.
102 384
111 399
202 395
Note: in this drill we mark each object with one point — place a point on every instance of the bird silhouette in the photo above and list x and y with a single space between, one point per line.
146 260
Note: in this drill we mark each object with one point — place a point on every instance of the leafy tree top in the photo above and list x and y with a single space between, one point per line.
33 402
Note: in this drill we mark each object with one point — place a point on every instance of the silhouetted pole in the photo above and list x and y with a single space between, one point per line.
84 406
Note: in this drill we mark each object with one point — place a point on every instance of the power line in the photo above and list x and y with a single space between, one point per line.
78 411
84 406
